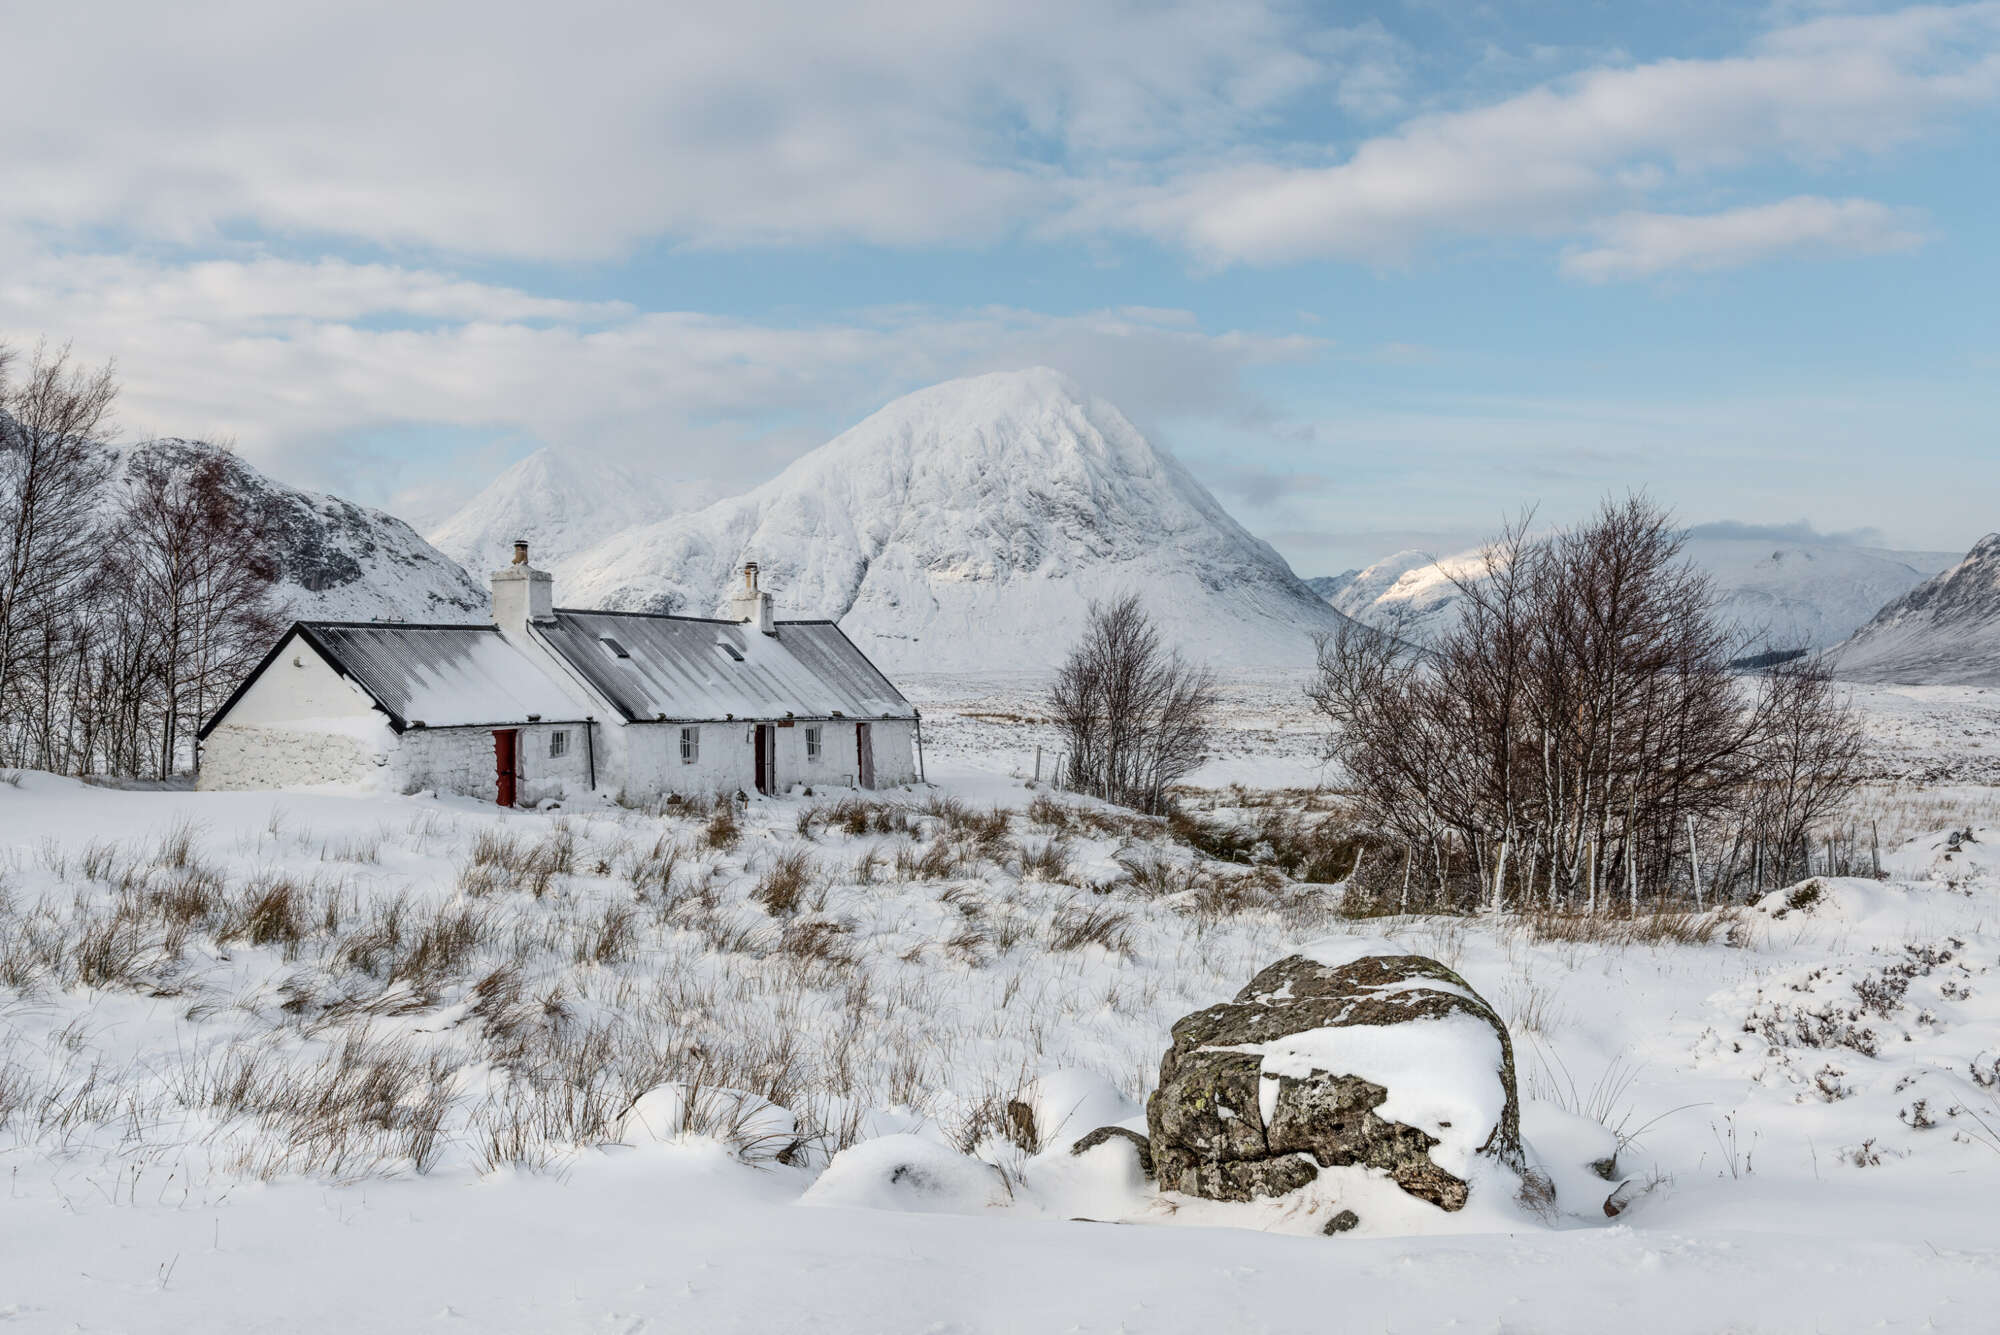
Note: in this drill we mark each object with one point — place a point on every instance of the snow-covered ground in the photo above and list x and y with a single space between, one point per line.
234 1026
1268 737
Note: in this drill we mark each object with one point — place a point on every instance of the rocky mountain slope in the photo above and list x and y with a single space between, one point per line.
339 561
1789 595
1945 631
968 526
560 504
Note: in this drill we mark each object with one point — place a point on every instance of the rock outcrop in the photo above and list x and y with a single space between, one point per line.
1347 1055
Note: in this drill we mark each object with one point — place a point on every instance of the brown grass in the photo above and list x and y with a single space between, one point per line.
1078 925
783 887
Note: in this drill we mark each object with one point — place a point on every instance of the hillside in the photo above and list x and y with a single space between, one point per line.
1945 631
969 525
339 561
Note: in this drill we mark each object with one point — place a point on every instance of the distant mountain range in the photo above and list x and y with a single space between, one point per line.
968 526
964 527
1774 594
560 504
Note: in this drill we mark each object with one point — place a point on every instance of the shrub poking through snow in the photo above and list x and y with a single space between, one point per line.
781 889
722 830
1349 1055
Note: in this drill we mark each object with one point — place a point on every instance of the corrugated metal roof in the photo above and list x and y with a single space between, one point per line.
690 668
444 676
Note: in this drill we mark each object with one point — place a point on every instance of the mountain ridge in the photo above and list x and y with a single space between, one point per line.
1944 631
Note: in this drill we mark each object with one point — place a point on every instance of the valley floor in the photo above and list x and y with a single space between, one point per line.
235 1027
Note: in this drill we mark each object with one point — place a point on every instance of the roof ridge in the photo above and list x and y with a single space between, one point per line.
400 625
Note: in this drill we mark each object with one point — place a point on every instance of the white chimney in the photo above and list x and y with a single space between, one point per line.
521 593
752 605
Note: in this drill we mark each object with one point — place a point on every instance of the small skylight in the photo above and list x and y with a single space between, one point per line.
617 650
730 649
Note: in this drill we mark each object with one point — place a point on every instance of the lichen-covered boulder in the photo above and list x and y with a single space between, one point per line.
1349 1054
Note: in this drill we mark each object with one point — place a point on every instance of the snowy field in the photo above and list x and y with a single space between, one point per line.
336 1062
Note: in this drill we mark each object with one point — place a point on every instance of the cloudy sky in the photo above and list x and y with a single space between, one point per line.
1379 273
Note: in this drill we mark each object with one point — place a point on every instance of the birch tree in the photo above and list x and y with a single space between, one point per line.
52 475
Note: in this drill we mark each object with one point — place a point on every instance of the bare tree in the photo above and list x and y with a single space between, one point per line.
197 565
1807 760
1135 717
52 474
1580 728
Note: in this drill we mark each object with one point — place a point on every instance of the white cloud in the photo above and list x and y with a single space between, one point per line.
1638 245
499 128
299 362
1547 161
505 127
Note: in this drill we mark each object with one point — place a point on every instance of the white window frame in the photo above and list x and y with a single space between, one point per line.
690 745
815 751
558 743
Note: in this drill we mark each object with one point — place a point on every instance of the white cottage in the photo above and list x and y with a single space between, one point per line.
549 701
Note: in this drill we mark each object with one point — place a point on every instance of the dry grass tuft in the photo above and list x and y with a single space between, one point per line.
722 830
1665 927
1078 925
781 889
1048 861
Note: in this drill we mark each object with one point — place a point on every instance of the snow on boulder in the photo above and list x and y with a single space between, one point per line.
1576 1155
751 1125
1351 1054
910 1173
1056 1110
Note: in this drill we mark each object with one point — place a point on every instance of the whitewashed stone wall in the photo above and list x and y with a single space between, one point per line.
302 756
301 724
652 760
895 753
461 760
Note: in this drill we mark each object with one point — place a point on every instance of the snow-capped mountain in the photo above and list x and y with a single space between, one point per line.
1945 631
560 504
1409 592
339 561
968 526
1326 586
1788 595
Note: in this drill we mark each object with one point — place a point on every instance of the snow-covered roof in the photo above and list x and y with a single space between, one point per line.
648 667
433 676
668 667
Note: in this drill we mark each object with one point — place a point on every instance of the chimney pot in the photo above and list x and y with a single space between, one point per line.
521 593
752 605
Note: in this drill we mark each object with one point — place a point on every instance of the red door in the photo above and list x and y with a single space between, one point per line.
761 739
864 750
505 749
